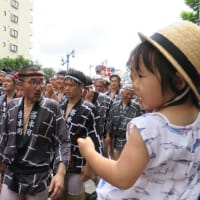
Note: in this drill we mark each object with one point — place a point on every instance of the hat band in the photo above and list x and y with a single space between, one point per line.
178 56
179 97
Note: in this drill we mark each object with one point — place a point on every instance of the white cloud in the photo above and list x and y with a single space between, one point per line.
97 30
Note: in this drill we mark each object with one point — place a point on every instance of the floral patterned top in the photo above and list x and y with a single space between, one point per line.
174 162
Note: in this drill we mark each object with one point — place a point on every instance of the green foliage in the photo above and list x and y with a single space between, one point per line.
49 72
192 15
189 16
13 64
193 4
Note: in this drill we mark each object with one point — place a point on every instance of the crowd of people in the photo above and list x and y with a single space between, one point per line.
136 140
46 117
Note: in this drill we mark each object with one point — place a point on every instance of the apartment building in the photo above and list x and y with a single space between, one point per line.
15 28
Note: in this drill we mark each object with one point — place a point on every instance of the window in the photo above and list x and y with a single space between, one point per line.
4 12
4 44
13 33
15 4
14 18
4 28
13 47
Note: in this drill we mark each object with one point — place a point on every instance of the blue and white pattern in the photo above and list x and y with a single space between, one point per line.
174 162
49 144
82 121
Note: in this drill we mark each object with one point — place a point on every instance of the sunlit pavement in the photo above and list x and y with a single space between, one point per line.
89 186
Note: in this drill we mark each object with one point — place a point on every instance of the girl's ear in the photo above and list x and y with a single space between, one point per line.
179 81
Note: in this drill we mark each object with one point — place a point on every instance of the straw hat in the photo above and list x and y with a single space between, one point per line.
180 44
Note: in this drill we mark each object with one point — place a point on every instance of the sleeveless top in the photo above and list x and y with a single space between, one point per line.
174 162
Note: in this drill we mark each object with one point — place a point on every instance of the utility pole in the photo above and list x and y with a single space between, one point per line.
63 62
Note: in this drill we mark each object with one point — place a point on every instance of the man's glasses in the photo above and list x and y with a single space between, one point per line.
34 83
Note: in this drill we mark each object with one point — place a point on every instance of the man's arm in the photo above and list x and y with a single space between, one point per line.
57 182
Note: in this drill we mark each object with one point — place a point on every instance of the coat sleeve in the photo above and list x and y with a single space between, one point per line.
93 126
61 140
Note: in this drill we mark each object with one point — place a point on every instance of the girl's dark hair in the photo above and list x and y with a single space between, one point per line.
154 60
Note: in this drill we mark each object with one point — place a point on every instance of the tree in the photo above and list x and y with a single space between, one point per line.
13 64
192 15
49 72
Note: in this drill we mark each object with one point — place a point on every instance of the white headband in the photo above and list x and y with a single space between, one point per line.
74 78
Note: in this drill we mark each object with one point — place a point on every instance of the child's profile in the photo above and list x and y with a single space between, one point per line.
161 158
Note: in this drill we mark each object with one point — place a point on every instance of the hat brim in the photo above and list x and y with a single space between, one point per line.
171 59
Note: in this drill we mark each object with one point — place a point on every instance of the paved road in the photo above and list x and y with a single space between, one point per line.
89 186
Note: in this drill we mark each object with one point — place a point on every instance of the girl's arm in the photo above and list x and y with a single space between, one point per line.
124 172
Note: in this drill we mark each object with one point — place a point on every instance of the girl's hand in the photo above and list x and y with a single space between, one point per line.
85 145
87 173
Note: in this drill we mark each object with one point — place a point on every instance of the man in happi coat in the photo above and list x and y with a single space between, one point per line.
82 120
121 112
33 140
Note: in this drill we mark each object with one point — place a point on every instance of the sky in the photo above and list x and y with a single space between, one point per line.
99 31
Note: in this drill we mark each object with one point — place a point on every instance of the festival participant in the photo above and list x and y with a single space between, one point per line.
101 85
114 87
82 120
34 138
103 104
60 90
121 112
9 88
2 75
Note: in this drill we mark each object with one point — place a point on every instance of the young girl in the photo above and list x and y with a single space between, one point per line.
161 159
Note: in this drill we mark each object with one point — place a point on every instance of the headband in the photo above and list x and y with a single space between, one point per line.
89 86
32 73
2 72
74 78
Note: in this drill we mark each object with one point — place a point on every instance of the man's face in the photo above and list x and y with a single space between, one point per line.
8 84
114 83
53 82
33 87
99 86
2 76
127 95
60 82
72 89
